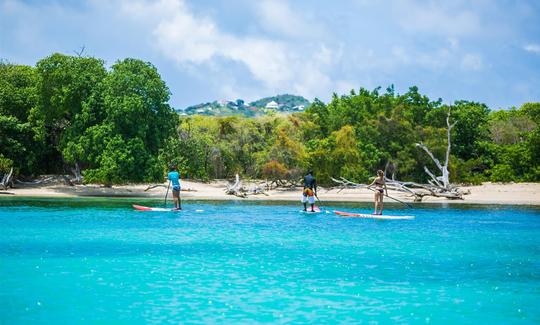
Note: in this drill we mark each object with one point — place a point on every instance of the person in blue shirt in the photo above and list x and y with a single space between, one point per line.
174 178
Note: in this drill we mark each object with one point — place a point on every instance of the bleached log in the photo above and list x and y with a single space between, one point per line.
151 187
418 191
234 189
434 179
37 182
443 180
77 173
7 180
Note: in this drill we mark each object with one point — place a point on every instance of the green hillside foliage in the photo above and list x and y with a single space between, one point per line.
286 104
117 126
286 101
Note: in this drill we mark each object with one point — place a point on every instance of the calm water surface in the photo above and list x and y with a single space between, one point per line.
80 261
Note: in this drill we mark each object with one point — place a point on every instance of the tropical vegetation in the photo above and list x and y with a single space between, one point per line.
116 126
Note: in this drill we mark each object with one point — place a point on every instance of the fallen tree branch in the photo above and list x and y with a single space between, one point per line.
237 189
234 189
444 179
77 173
150 187
418 191
7 180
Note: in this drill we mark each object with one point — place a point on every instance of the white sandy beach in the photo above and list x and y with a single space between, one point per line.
487 193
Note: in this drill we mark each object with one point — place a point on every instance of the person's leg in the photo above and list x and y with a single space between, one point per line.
175 198
304 201
381 200
376 202
179 201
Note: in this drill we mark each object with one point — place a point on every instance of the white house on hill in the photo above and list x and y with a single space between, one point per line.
272 105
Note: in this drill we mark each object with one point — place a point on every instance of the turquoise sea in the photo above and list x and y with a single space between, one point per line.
73 261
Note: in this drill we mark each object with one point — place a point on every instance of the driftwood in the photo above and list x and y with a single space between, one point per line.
51 179
288 183
150 187
77 173
7 180
444 180
416 190
35 182
237 189
438 186
234 189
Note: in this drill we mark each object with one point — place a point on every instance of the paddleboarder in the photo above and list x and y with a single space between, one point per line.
310 191
174 178
380 189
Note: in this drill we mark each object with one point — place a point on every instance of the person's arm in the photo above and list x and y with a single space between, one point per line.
315 186
385 189
369 186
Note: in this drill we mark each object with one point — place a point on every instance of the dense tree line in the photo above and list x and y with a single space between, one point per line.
117 126
356 134
70 111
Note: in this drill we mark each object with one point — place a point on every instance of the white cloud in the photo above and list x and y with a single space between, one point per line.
534 48
190 39
277 16
441 18
472 62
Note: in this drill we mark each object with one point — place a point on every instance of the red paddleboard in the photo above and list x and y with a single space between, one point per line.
371 216
143 208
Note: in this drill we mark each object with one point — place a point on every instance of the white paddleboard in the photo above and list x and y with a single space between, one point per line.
372 216
315 210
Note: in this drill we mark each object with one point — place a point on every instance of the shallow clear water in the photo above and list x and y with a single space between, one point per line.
74 261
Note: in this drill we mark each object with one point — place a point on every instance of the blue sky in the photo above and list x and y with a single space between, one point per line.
483 50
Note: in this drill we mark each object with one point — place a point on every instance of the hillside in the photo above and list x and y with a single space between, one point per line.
281 103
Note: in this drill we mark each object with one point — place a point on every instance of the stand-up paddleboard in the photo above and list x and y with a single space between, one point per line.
315 210
143 208
371 216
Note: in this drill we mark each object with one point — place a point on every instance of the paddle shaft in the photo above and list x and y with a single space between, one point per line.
405 203
180 198
167 193
320 203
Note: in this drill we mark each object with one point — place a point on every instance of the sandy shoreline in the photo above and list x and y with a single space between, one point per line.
487 193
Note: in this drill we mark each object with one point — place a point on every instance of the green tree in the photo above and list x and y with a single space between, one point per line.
18 96
136 125
65 83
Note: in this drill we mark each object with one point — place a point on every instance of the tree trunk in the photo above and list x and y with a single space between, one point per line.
443 180
7 180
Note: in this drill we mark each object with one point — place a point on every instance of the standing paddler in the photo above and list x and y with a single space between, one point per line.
174 178
380 189
310 191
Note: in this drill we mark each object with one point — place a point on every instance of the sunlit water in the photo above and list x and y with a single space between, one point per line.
88 261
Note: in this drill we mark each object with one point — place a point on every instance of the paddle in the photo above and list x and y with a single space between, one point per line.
180 198
167 193
407 204
320 203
